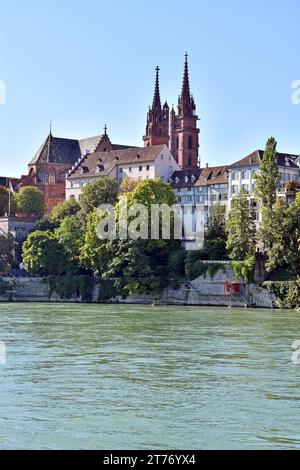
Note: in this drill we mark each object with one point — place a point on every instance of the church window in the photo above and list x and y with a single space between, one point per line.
177 143
190 142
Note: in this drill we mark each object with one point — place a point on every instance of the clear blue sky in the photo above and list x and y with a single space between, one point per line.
87 63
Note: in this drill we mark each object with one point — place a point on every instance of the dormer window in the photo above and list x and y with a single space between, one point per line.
193 177
177 180
99 168
186 179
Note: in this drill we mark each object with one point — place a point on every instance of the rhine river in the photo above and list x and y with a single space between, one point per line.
134 377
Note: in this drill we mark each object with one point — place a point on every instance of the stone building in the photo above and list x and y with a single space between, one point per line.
50 165
178 131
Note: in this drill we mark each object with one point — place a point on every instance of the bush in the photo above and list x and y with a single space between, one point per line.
68 286
195 267
287 293
244 269
107 291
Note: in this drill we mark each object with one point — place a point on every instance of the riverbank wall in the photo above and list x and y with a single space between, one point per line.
202 291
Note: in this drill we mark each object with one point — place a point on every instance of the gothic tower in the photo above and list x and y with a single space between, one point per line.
157 129
184 132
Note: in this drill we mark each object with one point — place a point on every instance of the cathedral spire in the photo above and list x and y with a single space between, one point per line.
185 93
156 99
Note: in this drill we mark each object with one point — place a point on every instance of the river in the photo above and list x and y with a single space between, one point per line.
134 377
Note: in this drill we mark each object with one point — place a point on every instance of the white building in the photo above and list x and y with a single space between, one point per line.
137 163
241 175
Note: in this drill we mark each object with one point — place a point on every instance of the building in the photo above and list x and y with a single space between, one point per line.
178 131
241 175
199 190
50 165
9 183
137 163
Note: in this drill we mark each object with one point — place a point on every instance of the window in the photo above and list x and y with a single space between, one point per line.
190 142
130 169
200 189
235 176
245 175
120 170
234 189
189 161
148 167
177 143
140 168
245 187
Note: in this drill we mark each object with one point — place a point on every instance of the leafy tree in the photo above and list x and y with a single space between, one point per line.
267 180
215 235
7 249
4 202
30 200
284 226
103 190
67 208
140 265
240 228
43 254
70 234
128 185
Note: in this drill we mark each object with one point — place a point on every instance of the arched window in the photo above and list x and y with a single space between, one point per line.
41 176
177 143
190 142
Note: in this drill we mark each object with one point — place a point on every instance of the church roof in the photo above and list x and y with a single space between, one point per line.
102 163
67 151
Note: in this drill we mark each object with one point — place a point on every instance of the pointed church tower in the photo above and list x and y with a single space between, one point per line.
157 128
184 130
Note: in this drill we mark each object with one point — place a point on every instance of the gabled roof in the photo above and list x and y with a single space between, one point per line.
102 163
200 177
68 151
254 159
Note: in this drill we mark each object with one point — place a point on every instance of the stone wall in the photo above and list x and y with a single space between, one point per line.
201 291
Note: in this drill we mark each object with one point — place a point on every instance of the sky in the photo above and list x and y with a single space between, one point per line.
84 64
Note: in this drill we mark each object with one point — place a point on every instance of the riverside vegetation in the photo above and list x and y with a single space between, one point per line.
66 249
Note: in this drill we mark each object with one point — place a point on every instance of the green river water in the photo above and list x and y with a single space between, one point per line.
134 377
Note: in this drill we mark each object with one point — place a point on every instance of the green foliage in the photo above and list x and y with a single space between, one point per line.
287 293
196 267
45 223
30 200
43 255
107 291
240 228
4 202
176 263
244 269
65 209
70 235
69 285
7 249
267 180
215 235
103 190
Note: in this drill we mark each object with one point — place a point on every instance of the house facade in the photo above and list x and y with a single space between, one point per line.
136 163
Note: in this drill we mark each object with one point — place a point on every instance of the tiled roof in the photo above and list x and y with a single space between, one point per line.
67 151
200 177
102 163
254 159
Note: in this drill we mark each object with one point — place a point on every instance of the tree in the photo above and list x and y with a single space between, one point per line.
139 265
43 255
30 200
4 201
215 235
267 180
103 190
284 224
240 228
7 249
67 208
128 185
70 234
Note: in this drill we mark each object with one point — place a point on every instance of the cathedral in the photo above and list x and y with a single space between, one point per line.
178 131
